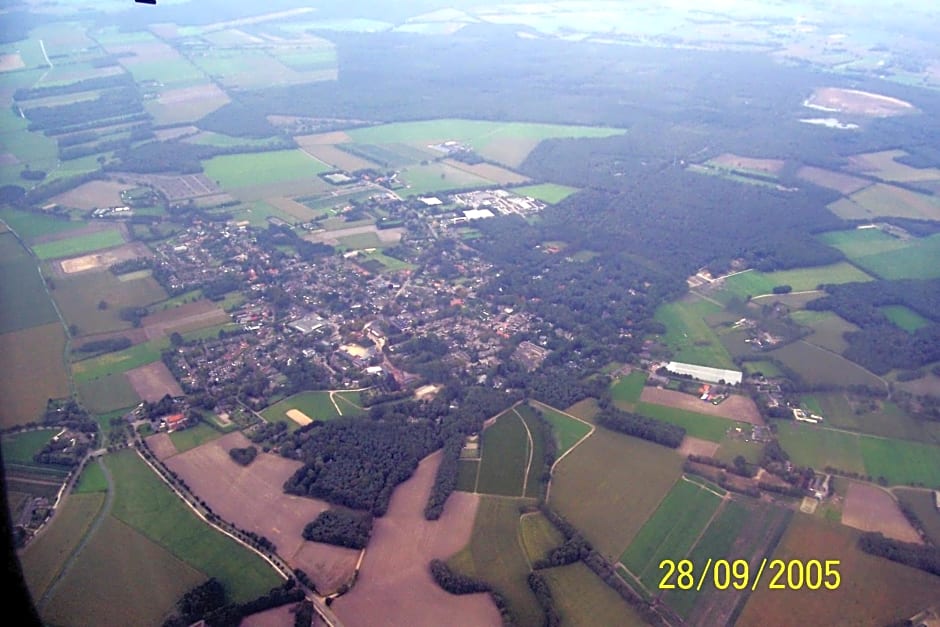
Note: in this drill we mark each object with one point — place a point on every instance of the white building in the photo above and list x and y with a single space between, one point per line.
706 373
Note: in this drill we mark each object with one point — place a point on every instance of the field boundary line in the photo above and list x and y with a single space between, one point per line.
335 406
531 446
702 486
521 541
698 538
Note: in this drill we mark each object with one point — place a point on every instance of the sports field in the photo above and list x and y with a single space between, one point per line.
495 555
253 169
145 503
79 244
689 337
23 299
316 405
611 507
584 600
546 192
671 531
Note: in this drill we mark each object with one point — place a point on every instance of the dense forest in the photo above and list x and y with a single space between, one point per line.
342 527
641 427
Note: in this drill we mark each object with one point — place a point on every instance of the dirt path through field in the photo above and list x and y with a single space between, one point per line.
551 471
531 445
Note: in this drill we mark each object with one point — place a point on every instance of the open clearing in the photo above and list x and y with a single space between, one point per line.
885 166
229 488
144 502
328 153
394 586
824 367
887 591
33 372
737 162
755 283
117 362
495 555
108 393
551 193
626 391
539 536
583 600
842 183
735 407
905 318
43 559
871 508
488 171
919 260
612 506
857 102
153 381
116 553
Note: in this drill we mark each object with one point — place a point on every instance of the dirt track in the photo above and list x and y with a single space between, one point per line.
252 497
394 585
735 407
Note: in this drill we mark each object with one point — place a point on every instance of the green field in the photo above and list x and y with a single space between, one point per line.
610 507
754 283
19 448
23 299
107 393
146 504
546 192
874 417
391 264
702 426
505 449
252 169
627 390
116 553
584 600
689 337
79 244
467 470
887 256
504 142
316 405
43 559
816 447
671 532
30 225
767 368
536 452
828 329
191 437
120 361
92 480
923 504
80 295
905 318
823 367
857 243
538 536
566 429
436 177
494 554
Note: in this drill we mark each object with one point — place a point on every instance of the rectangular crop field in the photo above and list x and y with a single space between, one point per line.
901 462
435 177
30 225
818 447
107 393
882 418
671 531
121 361
23 299
535 451
611 507
254 169
33 372
79 245
711 428
919 260
505 450
689 337
885 166
568 431
92 479
820 366
922 503
43 559
857 243
882 200
755 283
191 437
584 600
19 448
79 297
551 193
495 555
145 503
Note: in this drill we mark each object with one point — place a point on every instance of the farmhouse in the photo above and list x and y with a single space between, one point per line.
175 422
705 373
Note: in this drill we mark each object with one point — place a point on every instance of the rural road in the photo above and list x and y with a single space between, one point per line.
102 514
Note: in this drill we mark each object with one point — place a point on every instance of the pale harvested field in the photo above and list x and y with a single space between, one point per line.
729 160
870 508
490 172
299 417
102 260
33 372
93 195
305 141
207 91
188 317
858 102
278 617
338 158
735 407
143 52
10 62
884 165
882 199
162 446
174 133
696 446
926 385
842 183
153 381
389 236
294 208
394 585
252 497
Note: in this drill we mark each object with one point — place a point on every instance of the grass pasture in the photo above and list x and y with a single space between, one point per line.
118 362
828 330
91 480
437 177
33 372
23 299
755 283
194 436
627 390
611 507
254 169
43 559
584 600
108 393
885 166
905 318
552 193
566 429
504 450
538 535
883 200
812 446
30 225
19 448
79 296
689 337
919 260
711 428
921 502
884 593
881 418
146 504
79 244
495 555
316 405
823 367
671 531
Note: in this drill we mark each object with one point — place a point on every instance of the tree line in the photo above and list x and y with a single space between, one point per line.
340 527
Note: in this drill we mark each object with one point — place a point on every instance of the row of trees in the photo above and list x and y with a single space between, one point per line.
924 557
209 602
641 427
